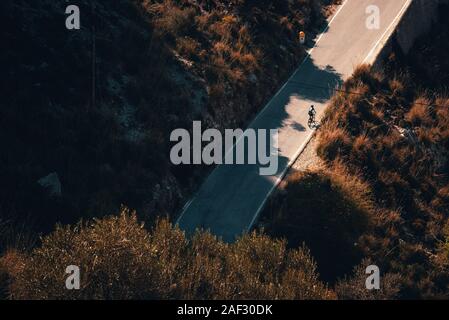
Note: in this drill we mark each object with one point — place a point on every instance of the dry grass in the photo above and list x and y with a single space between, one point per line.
187 47
119 259
355 289
328 210
404 172
332 142
419 113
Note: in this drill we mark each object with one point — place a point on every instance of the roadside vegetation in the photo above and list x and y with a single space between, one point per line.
328 211
382 196
120 259
398 140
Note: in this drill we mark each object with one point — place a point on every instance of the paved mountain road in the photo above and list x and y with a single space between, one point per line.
231 198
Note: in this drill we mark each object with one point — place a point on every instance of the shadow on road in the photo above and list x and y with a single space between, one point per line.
229 199
317 84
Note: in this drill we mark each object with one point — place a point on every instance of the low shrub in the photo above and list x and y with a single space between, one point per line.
328 211
120 259
332 143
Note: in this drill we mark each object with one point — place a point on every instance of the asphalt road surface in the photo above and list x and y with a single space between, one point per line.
230 200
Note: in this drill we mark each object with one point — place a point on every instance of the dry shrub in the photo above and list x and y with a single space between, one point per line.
362 149
358 93
222 49
419 113
353 187
120 259
12 263
229 20
335 109
171 19
397 88
244 39
354 288
361 74
426 136
333 142
328 210
442 200
247 61
222 29
188 47
442 257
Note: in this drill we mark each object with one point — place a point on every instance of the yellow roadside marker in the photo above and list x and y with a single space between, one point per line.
302 37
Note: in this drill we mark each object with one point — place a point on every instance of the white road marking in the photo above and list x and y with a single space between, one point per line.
308 54
395 20
309 137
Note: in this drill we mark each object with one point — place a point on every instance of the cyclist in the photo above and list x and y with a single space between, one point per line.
312 113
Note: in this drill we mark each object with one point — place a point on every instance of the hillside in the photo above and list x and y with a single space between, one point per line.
93 109
382 196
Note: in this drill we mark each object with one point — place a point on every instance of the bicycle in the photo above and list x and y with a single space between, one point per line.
312 120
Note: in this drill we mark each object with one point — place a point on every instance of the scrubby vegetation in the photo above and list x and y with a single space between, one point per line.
398 140
382 196
385 144
326 210
120 259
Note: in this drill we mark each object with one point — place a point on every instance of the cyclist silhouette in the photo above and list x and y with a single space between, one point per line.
312 114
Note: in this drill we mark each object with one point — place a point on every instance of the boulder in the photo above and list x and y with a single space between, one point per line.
52 183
